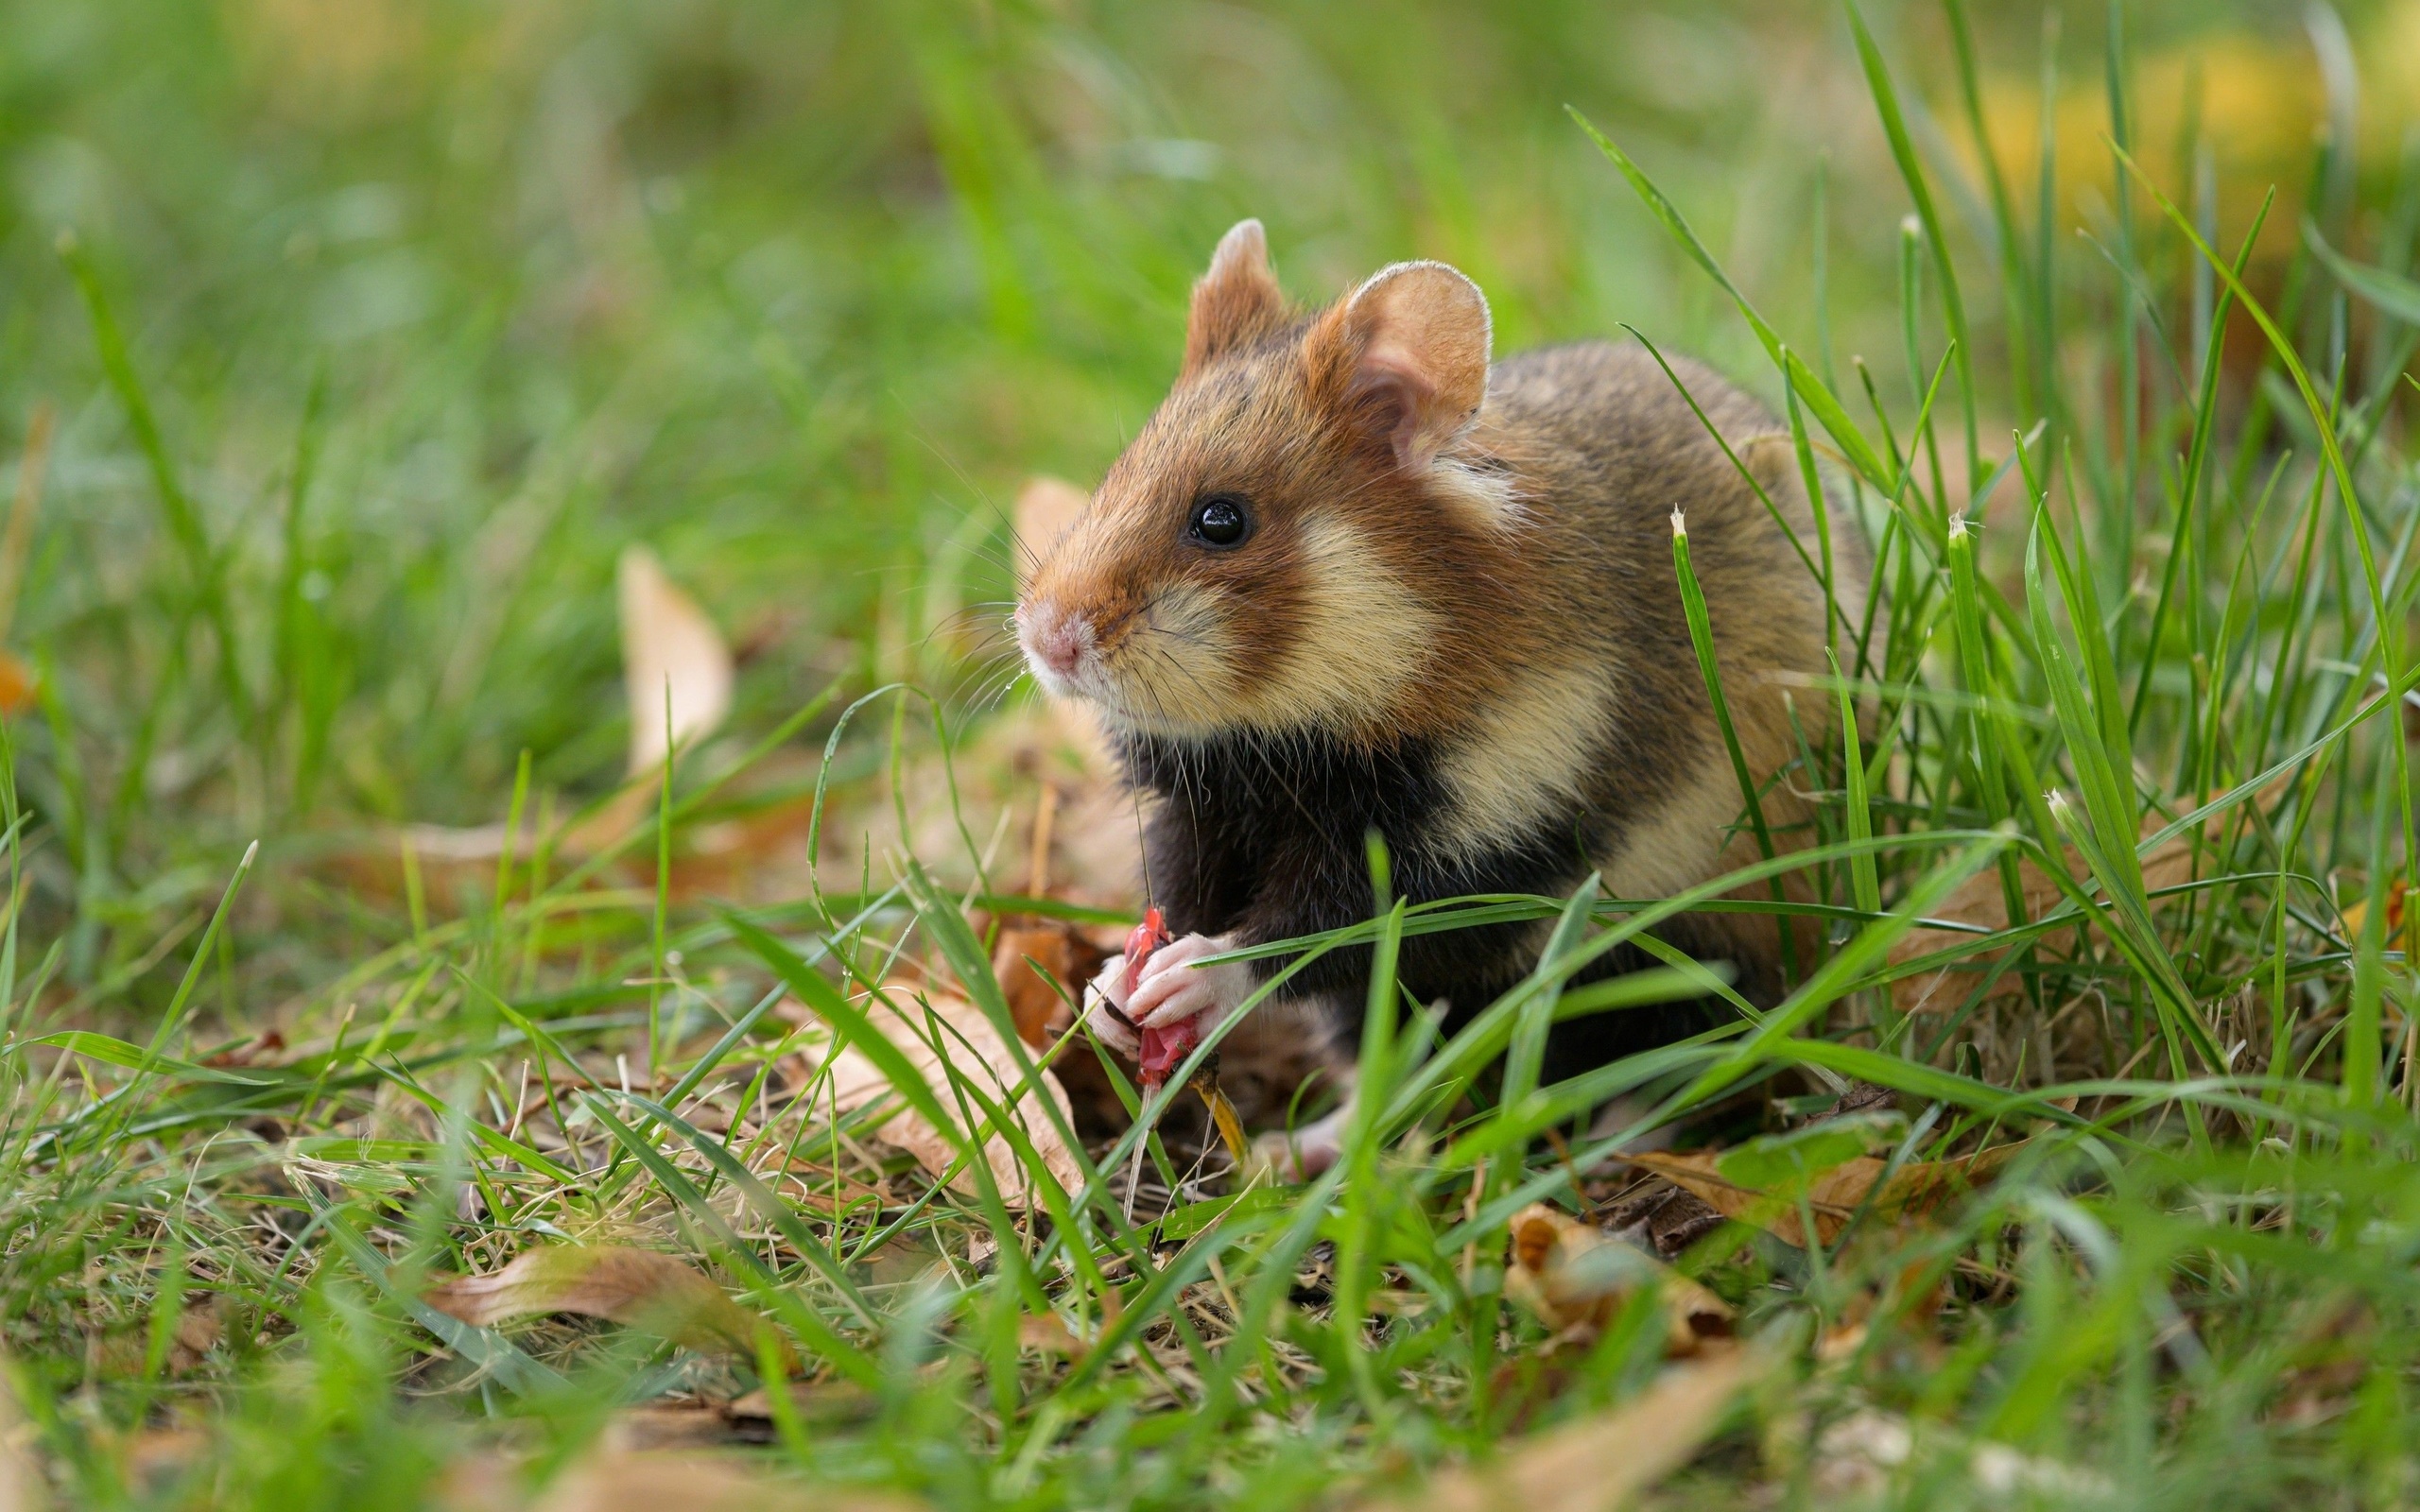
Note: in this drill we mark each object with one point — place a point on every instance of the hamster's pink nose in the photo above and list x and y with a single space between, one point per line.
1055 639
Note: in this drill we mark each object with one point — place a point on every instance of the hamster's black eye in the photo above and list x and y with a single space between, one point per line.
1220 520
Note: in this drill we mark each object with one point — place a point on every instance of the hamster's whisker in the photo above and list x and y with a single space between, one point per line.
1162 655
998 693
979 673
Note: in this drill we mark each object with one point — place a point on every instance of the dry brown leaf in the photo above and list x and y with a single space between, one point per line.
262 1049
639 1288
2402 924
1835 1195
978 1055
1573 1276
1048 1333
1069 954
667 642
1600 1463
624 1481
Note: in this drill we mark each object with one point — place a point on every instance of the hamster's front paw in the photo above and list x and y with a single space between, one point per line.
1173 988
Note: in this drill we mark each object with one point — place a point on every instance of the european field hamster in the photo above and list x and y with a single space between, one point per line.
1350 577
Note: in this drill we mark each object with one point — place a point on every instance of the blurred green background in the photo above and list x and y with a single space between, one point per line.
797 293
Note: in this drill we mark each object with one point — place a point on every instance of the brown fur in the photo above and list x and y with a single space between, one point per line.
1474 562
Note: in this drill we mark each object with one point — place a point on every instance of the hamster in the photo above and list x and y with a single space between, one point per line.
1350 577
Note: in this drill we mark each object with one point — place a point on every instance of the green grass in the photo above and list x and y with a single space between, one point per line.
378 332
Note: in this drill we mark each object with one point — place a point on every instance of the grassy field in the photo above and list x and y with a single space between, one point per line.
352 955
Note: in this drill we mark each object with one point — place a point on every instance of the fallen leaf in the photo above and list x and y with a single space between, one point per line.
972 1050
2400 933
1048 1333
1787 1162
613 1480
1862 1097
639 1288
1842 1341
668 643
1834 1194
1066 951
1601 1461
1661 1218
1572 1275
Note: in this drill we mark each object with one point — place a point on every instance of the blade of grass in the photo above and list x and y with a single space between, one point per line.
1709 670
1819 398
1903 152
813 1328
2196 468
206 582
2390 640
1835 976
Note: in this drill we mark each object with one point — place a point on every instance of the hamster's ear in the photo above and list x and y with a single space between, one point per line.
1237 299
1406 354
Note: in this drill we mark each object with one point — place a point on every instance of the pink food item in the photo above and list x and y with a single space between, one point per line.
1141 941
1163 1049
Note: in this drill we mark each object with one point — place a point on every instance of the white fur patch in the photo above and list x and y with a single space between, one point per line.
1172 668
1682 845
1358 647
1531 757
1485 497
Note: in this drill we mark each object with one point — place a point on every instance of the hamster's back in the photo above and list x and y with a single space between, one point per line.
1605 450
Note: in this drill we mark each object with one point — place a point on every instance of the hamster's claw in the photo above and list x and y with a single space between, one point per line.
1107 996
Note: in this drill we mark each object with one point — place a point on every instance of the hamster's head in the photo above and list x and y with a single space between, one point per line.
1282 546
